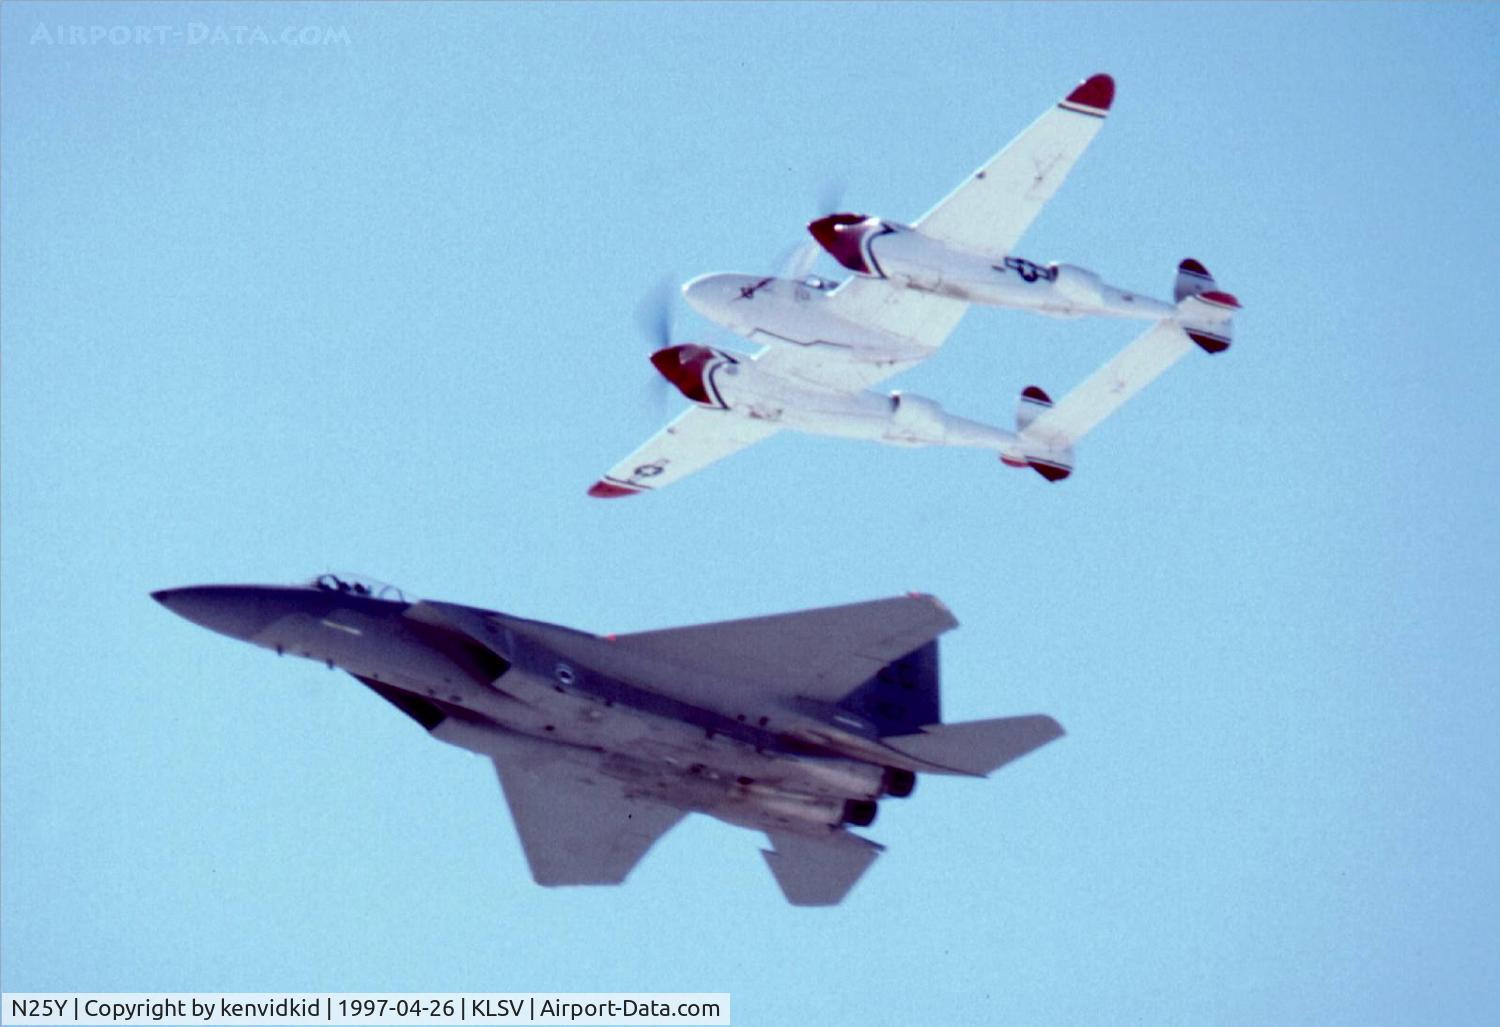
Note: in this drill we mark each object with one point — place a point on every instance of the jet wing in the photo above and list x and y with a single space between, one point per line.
698 437
819 654
815 871
576 825
990 211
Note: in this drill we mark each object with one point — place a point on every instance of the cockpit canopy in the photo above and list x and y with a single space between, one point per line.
359 585
819 283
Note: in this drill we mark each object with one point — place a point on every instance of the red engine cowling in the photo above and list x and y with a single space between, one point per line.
691 368
847 237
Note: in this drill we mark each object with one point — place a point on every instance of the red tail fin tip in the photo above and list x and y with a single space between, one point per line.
1049 470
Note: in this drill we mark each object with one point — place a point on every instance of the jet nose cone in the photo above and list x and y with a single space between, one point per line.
237 611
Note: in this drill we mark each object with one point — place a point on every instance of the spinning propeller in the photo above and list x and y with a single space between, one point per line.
654 317
797 262
655 314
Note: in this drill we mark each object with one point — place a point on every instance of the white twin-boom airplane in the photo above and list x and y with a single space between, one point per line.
827 343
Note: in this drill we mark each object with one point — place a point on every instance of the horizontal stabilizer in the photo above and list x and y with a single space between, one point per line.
1105 391
978 747
1204 318
818 871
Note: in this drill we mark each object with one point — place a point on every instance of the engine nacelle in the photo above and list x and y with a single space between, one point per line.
840 777
860 812
917 419
898 783
801 808
847 239
1077 285
694 370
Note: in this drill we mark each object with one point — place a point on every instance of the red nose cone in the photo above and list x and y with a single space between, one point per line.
825 229
840 235
1096 92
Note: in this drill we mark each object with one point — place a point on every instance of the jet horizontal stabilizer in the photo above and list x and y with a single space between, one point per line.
818 872
978 747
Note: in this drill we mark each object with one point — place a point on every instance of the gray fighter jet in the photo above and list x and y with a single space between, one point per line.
794 724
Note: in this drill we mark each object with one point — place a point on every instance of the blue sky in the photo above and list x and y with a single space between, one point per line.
268 310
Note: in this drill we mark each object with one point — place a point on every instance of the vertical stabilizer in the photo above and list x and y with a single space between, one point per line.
1033 402
902 696
1208 319
1192 279
1052 462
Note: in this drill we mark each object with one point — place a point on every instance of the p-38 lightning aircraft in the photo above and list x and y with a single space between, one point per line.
795 725
827 343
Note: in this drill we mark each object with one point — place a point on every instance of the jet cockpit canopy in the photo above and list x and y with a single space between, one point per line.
359 585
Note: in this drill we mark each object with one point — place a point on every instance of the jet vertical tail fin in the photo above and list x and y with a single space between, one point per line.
902 696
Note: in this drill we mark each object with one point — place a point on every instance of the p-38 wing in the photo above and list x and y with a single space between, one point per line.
697 437
993 207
